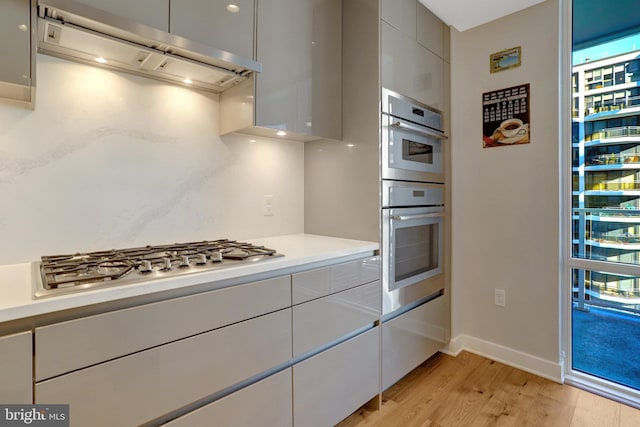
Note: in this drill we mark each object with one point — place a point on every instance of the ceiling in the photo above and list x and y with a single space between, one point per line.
466 14
594 21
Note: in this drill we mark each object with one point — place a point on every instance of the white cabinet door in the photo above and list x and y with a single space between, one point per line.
15 50
154 13
299 46
135 389
216 23
15 369
410 69
267 403
411 338
329 386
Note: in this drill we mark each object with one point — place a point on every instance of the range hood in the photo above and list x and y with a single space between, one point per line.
75 31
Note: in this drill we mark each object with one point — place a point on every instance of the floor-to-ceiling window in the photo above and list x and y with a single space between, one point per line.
604 254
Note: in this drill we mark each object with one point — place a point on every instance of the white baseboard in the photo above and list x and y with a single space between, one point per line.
544 368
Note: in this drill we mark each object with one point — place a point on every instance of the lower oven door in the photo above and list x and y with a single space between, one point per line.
412 256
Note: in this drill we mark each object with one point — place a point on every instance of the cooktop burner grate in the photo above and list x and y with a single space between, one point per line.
69 273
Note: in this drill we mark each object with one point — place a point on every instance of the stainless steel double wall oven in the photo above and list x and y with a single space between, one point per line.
412 203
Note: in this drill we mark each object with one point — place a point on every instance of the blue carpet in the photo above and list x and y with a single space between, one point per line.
606 344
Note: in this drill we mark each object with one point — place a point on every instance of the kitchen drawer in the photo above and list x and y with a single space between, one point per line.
267 403
411 338
317 283
16 359
330 386
71 345
325 320
143 386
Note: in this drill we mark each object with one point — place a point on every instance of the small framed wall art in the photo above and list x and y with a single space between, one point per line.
505 117
505 59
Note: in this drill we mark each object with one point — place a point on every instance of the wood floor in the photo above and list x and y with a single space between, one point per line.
469 391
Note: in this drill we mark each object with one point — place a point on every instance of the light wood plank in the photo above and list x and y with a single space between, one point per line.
629 417
472 391
592 410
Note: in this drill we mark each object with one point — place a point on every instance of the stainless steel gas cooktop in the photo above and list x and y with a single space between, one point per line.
61 274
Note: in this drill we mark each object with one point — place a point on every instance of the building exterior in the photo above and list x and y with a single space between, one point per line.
606 176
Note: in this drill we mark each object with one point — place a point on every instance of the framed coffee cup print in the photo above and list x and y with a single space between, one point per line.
505 59
505 117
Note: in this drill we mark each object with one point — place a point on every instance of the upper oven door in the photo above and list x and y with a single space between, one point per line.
411 152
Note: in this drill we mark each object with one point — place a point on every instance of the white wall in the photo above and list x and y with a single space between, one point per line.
111 160
505 200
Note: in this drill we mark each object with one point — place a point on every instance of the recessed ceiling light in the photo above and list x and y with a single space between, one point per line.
101 60
187 81
233 8
351 145
23 27
281 133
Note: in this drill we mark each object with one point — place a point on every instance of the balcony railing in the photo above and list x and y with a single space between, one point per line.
613 186
630 214
623 228
618 132
613 159
604 294
629 102
613 235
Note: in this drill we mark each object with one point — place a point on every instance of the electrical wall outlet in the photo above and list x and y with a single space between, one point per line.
500 297
267 206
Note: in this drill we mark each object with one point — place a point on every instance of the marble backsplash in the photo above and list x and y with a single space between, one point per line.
110 160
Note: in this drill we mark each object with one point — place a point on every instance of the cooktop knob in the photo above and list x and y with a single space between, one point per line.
166 264
202 259
145 266
216 257
184 261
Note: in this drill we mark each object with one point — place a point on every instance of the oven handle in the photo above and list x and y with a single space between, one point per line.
424 131
419 216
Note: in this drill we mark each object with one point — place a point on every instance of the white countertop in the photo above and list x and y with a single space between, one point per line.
16 287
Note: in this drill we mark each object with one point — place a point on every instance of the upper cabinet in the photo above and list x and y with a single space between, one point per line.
299 46
222 24
299 92
414 52
401 14
431 32
154 13
17 69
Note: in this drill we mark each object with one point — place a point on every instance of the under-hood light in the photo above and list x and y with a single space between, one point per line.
281 133
101 60
187 81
